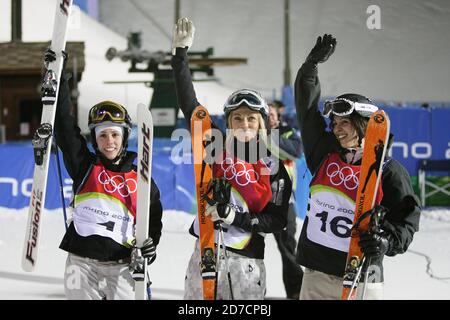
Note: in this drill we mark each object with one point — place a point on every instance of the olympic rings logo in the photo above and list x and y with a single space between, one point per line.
344 175
239 172
125 187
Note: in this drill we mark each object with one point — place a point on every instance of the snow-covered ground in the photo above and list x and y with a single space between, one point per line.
421 273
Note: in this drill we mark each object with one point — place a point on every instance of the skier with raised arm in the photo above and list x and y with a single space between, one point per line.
100 237
333 155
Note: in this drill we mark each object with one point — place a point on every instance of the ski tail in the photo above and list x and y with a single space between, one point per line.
145 150
42 139
201 136
375 146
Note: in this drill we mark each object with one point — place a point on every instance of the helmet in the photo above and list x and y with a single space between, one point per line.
346 104
248 98
356 106
109 111
113 113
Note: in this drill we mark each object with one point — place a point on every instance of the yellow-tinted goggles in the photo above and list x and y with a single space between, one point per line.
115 112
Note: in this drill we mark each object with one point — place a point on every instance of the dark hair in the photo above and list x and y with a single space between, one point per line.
277 105
360 124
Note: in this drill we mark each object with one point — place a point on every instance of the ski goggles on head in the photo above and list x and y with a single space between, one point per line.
248 98
344 107
107 110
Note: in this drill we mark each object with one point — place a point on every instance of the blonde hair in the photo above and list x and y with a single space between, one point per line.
262 130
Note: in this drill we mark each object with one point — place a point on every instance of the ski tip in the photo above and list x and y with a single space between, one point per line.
27 266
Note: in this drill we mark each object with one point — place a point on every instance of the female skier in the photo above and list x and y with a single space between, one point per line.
256 195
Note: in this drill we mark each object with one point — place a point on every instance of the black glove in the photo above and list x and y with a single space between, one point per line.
148 250
323 49
218 207
50 56
138 255
374 245
221 190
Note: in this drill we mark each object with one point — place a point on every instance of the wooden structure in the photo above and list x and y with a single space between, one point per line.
21 72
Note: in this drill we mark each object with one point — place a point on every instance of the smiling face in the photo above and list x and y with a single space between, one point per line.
109 143
345 132
245 123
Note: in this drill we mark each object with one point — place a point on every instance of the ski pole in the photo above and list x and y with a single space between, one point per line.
216 284
356 280
61 190
374 227
149 283
366 277
226 262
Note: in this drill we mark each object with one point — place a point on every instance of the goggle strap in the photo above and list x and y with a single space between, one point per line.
365 107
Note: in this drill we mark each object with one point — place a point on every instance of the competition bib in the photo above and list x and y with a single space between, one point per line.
330 218
332 204
234 237
105 216
106 205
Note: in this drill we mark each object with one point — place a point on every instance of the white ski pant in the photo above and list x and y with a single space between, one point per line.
317 285
248 277
90 279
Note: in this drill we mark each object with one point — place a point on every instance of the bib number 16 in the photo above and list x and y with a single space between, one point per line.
339 226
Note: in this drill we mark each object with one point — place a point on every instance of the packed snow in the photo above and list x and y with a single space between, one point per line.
421 273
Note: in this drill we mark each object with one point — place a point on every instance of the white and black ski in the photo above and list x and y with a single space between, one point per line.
42 139
144 174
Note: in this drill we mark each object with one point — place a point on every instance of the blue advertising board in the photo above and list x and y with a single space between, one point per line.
419 134
175 180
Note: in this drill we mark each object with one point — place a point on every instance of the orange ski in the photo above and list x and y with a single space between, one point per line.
375 143
201 137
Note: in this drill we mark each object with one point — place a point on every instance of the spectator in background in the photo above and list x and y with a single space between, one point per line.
290 149
280 109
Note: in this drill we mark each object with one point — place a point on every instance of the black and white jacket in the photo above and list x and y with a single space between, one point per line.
402 220
78 160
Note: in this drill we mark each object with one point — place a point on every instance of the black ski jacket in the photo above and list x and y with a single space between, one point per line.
402 220
273 217
78 160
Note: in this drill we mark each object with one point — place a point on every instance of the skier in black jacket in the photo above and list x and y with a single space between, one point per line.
100 237
258 196
334 159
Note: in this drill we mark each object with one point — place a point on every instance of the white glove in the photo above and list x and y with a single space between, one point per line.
183 34
223 214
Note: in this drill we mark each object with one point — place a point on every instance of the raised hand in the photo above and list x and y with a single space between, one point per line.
183 34
323 49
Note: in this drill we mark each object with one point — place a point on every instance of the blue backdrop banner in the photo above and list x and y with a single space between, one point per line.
419 134
175 181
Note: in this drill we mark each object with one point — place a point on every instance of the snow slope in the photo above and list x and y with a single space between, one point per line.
421 273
